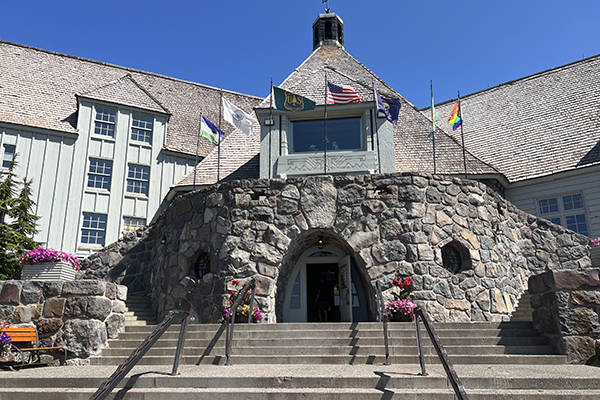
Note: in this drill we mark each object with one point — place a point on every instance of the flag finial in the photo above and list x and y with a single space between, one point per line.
326 6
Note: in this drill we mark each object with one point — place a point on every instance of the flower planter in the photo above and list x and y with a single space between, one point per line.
398 317
49 271
595 256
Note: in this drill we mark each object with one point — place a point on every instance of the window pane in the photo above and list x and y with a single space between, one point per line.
9 152
572 202
142 128
93 229
99 174
577 223
133 224
555 220
548 206
137 181
105 122
342 134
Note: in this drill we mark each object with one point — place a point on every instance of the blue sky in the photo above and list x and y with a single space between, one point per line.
239 45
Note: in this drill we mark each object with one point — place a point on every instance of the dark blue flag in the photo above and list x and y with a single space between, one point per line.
391 107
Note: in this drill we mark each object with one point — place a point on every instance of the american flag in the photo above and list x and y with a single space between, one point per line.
342 94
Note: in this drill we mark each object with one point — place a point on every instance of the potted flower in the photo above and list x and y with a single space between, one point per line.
243 309
401 308
595 250
48 264
5 340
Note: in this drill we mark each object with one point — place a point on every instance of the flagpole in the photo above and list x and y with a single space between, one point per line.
325 128
374 122
219 135
270 127
433 127
197 145
462 134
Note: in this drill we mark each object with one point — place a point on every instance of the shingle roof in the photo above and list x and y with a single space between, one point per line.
535 126
38 88
414 151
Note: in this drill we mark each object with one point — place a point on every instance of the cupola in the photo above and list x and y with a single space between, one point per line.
328 30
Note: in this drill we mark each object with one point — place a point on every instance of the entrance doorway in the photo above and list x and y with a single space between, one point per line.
323 293
324 287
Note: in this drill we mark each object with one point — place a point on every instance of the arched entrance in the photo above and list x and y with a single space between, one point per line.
321 288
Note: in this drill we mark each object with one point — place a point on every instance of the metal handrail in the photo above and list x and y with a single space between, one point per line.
457 385
384 321
123 369
232 314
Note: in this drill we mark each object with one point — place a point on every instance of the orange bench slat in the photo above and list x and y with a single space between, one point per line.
18 335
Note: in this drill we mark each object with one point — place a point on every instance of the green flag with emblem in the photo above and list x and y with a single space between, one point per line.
288 101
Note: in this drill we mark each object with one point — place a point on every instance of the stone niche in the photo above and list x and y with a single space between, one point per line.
391 225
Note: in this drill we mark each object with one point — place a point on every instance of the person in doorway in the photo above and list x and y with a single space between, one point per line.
322 301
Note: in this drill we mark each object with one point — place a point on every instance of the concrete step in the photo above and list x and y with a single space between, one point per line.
483 382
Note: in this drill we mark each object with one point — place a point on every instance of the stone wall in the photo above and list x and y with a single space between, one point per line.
566 308
392 225
79 315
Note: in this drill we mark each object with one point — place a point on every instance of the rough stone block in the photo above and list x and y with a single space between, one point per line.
85 287
574 279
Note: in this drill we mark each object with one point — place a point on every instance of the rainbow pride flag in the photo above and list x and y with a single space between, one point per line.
455 119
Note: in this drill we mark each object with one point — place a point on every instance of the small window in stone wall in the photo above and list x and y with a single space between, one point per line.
455 258
202 266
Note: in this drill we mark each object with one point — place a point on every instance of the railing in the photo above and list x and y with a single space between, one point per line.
421 315
459 389
234 307
123 369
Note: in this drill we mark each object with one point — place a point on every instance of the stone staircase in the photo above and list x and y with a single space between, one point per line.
524 310
320 361
139 311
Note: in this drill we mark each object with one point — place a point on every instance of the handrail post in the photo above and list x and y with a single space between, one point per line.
251 307
180 343
420 343
233 312
385 327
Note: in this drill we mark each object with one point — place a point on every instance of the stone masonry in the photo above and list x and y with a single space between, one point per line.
79 315
566 307
392 225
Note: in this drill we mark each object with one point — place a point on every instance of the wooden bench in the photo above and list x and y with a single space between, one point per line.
28 337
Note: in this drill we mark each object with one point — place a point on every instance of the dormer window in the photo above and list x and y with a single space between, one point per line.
342 134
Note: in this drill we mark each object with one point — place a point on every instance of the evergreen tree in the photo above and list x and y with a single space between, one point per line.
17 223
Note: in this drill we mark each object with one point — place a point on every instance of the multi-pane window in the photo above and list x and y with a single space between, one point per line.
137 179
133 224
568 211
342 134
9 153
105 122
93 230
141 128
99 174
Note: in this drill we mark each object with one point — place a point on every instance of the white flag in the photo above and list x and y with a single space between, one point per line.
237 117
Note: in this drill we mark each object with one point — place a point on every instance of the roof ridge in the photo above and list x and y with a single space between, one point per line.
123 68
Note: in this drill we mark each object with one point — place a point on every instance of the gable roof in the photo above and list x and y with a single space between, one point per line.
535 126
126 91
413 149
39 89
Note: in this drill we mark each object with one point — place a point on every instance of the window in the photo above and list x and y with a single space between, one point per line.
451 259
133 224
202 265
137 179
93 230
567 210
342 134
295 299
141 129
99 174
105 122
9 153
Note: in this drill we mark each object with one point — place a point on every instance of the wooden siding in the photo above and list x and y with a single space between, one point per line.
58 164
587 183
